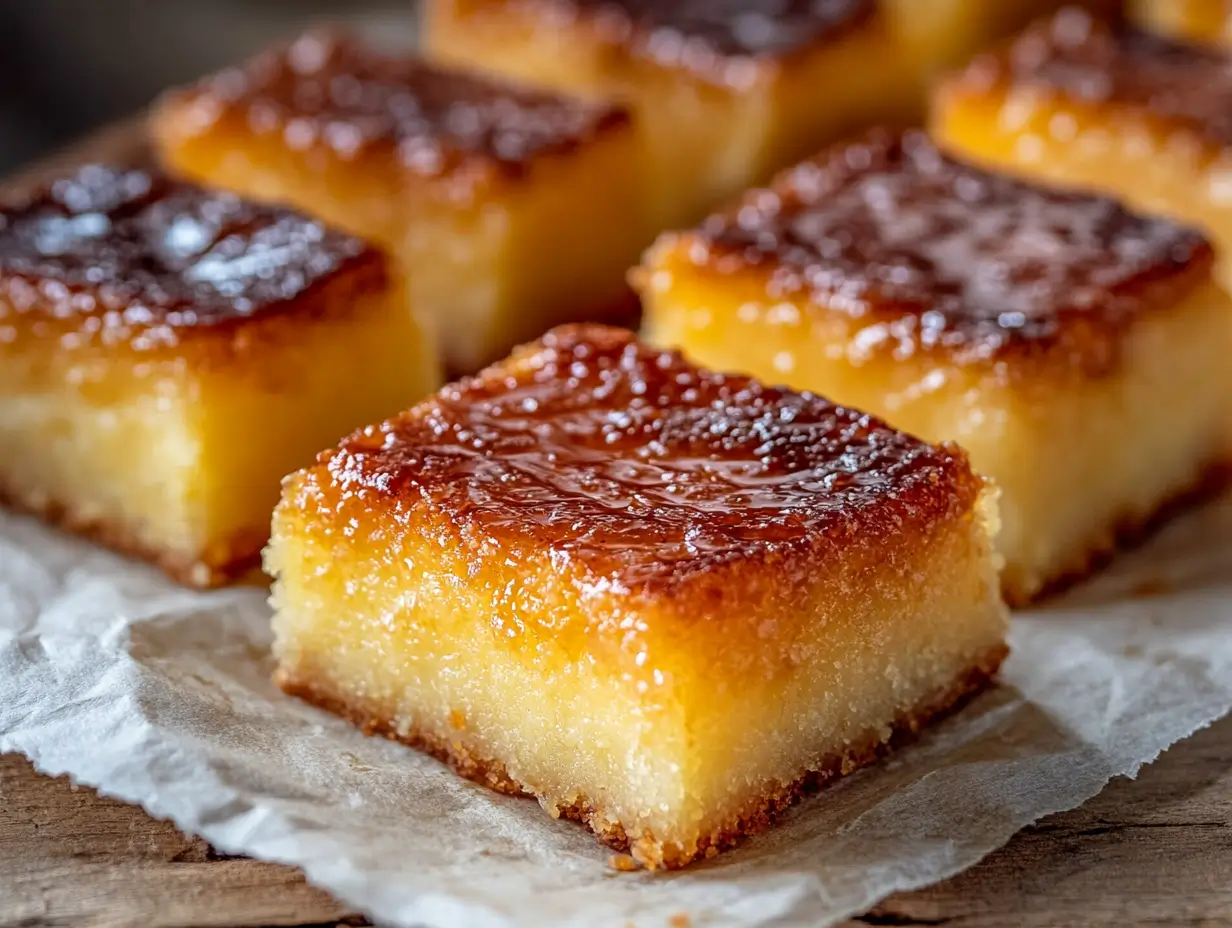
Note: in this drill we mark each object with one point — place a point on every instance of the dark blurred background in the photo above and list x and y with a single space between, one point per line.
69 66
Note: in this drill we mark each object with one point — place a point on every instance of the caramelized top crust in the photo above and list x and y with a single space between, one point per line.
941 255
127 255
592 448
1097 64
717 40
327 89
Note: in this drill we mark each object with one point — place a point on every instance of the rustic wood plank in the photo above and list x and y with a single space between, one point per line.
69 857
1156 851
1151 851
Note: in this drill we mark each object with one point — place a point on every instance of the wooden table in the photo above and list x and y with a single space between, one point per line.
1155 851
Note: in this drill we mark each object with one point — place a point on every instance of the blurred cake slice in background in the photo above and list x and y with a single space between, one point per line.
168 354
727 93
1078 102
1077 351
724 93
509 209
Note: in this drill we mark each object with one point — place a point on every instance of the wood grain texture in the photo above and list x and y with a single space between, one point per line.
1155 851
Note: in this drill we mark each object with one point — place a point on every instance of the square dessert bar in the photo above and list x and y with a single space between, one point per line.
168 354
510 210
661 600
1205 21
1078 102
725 93
1077 351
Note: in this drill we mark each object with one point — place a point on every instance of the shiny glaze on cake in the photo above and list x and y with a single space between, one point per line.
327 91
117 256
940 255
1090 62
644 470
721 41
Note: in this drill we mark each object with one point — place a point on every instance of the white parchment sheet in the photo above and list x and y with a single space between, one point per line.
162 697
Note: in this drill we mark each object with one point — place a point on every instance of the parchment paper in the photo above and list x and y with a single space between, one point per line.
162 697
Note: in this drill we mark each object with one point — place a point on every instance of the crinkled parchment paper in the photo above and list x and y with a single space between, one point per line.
162 697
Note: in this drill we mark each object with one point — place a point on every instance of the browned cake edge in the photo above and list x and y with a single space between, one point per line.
647 850
242 552
1129 531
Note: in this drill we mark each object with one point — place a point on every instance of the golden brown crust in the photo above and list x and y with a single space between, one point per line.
227 562
726 44
649 473
128 258
1121 72
647 849
1127 532
927 254
327 93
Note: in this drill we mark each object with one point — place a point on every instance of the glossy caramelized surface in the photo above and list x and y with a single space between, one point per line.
328 90
643 468
126 256
943 255
1084 59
